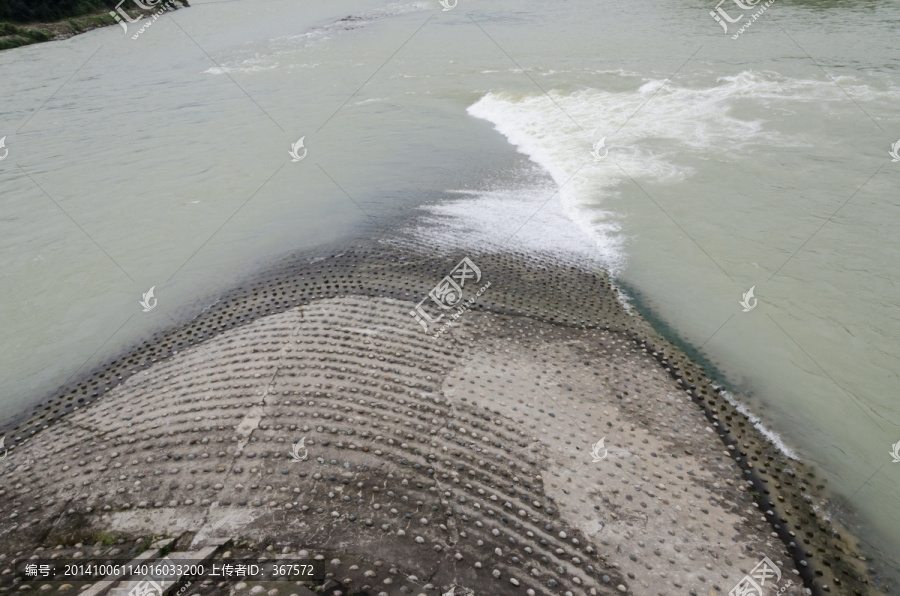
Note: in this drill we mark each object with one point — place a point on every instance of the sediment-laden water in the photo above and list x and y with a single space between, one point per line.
726 164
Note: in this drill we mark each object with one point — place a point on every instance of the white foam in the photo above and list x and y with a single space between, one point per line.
216 70
768 433
649 130
624 299
521 217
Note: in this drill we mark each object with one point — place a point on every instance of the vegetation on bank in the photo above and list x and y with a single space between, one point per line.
24 22
48 11
13 35
31 21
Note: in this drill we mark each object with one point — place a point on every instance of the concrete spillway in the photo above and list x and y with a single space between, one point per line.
309 411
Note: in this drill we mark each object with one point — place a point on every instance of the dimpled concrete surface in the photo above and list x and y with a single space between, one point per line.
463 460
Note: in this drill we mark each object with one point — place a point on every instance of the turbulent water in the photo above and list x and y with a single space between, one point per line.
725 164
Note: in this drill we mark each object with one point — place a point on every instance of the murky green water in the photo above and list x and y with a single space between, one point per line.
754 162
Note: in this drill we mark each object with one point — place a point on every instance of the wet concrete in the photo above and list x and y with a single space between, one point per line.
462 460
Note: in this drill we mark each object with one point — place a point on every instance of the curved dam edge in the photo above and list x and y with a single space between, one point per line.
534 307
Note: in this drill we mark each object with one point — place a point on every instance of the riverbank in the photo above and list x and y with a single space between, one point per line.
471 459
14 35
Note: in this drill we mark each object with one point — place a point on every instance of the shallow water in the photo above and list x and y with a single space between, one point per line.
757 162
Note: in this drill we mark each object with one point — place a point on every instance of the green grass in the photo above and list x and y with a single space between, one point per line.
105 538
32 34
13 36
49 11
79 18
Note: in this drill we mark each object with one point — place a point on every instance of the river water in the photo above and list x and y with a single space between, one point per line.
726 164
